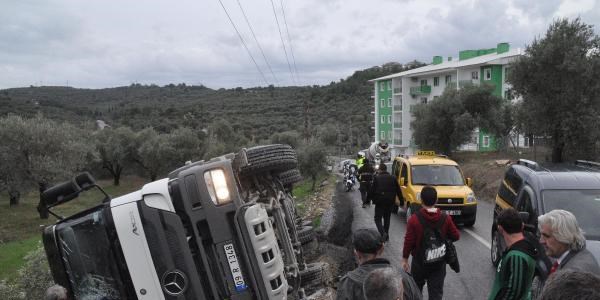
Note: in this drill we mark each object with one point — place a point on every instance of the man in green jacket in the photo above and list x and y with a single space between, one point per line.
517 267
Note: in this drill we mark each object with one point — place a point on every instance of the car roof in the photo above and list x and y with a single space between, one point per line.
561 176
429 160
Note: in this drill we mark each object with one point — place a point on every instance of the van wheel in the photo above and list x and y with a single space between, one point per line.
471 222
495 248
275 157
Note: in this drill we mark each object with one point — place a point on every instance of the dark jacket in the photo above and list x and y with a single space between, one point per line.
350 286
582 260
385 189
515 272
414 231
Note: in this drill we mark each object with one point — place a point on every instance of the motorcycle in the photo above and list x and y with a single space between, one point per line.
350 177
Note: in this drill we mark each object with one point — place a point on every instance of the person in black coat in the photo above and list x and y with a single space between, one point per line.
385 188
365 176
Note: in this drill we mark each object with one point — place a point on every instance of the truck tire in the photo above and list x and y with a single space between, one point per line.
306 234
267 158
312 274
290 176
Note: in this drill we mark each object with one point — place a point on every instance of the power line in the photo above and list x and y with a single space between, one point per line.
289 39
244 43
255 39
282 42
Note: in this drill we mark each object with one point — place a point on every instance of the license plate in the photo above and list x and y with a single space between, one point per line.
453 212
234 266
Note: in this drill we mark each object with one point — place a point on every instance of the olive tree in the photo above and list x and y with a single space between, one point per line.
40 151
115 148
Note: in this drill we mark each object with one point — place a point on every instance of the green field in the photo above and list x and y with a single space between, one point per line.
20 229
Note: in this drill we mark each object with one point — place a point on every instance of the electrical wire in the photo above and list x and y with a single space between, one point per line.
283 43
255 39
289 40
244 43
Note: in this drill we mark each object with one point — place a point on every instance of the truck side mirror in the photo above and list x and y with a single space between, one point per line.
61 192
402 180
469 182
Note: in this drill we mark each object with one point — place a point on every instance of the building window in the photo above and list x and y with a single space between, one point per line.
487 73
382 103
389 102
389 85
382 86
506 72
423 82
435 97
389 134
448 79
382 137
382 119
475 75
436 81
389 117
486 141
423 100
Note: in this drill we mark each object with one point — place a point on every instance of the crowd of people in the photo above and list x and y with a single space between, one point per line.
575 273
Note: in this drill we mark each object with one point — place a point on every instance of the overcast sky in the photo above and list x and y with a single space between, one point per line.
108 43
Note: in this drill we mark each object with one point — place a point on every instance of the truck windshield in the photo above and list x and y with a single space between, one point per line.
584 204
436 175
88 258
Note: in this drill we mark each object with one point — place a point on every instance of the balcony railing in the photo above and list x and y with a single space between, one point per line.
397 124
420 90
397 107
397 141
463 83
397 90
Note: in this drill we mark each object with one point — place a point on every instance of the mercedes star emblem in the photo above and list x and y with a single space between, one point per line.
449 200
174 282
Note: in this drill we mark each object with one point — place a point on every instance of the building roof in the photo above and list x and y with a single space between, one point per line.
488 59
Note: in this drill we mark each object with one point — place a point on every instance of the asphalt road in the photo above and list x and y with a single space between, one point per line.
477 273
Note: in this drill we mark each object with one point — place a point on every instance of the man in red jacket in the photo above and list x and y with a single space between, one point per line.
432 273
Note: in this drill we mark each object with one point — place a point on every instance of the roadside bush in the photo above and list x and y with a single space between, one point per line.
32 279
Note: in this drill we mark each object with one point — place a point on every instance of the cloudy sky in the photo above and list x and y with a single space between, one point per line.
108 43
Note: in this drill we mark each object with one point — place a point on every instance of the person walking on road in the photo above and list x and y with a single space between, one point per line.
563 240
431 217
516 268
385 189
368 249
365 176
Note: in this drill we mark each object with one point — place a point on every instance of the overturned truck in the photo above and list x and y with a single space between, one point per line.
219 229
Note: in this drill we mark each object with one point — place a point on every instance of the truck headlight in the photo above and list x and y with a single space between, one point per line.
217 186
471 198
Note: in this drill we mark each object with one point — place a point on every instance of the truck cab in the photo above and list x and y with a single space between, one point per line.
455 196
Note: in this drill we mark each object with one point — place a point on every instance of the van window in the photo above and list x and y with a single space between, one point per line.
404 173
527 205
510 186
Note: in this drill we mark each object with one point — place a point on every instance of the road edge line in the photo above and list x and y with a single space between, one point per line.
478 237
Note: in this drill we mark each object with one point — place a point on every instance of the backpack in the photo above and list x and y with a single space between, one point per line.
433 245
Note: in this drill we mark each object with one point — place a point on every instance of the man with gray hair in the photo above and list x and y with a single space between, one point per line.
383 284
563 240
572 285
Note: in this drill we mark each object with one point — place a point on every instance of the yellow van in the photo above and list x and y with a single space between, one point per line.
455 196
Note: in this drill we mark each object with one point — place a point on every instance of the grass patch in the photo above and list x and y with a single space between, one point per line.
23 221
12 255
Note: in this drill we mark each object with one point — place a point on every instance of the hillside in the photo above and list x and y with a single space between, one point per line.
342 106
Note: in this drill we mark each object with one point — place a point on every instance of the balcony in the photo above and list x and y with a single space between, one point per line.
463 83
420 90
397 107
397 141
451 84
397 124
397 90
